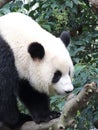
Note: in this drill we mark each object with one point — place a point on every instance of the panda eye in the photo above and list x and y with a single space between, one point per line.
69 73
57 76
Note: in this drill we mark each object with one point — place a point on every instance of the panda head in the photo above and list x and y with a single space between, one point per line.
40 57
53 66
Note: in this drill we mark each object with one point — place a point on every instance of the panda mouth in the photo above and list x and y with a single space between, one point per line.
59 93
63 93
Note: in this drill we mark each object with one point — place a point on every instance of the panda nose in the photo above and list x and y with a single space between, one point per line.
67 92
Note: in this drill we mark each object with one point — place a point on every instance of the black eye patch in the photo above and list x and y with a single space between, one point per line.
57 76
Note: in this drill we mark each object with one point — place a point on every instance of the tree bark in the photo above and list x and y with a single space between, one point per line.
3 2
94 3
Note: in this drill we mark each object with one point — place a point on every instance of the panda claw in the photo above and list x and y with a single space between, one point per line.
46 118
54 115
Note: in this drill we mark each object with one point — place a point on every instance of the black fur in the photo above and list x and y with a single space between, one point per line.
9 113
36 50
36 102
57 76
65 37
12 87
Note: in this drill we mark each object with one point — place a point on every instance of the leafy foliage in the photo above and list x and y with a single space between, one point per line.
79 18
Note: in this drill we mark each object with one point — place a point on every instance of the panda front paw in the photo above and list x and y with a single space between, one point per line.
25 117
54 114
46 117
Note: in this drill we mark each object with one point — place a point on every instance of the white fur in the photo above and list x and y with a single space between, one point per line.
19 31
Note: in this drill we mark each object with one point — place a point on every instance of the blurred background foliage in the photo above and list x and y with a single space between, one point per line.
80 18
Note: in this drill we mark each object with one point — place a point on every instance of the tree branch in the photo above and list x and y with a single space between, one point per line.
3 2
94 3
66 119
76 103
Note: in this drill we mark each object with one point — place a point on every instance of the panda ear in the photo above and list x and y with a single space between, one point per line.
65 37
36 50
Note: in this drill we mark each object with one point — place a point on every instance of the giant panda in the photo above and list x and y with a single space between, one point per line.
33 65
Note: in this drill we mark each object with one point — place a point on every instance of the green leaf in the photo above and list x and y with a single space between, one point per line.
69 4
27 6
76 2
47 27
